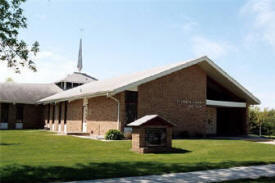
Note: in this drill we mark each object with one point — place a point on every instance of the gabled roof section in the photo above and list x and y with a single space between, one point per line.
26 93
77 77
115 85
145 119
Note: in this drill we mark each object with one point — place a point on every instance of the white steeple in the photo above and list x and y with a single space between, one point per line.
79 63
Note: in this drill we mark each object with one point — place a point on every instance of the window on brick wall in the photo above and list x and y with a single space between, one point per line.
60 112
131 102
49 113
53 112
65 112
4 112
19 113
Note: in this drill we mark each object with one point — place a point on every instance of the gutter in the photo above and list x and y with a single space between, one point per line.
108 95
69 99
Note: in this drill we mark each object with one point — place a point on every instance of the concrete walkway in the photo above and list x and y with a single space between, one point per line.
270 142
216 175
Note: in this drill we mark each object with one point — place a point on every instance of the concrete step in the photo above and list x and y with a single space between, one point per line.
78 133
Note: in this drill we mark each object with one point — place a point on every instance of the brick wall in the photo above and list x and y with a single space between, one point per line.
51 116
45 113
161 97
32 116
74 116
102 115
211 125
62 116
139 142
56 117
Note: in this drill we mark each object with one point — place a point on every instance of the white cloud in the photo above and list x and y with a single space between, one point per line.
186 25
213 49
51 67
189 25
262 17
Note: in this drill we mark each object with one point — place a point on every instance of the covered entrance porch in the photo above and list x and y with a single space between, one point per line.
226 118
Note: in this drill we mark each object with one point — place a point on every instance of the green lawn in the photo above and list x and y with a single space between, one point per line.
43 156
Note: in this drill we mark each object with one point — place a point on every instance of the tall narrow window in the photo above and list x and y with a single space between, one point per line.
4 112
19 113
60 112
53 116
131 102
49 113
65 112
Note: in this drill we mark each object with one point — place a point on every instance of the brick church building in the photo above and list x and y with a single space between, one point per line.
196 95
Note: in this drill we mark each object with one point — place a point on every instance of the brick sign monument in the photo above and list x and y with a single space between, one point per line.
151 133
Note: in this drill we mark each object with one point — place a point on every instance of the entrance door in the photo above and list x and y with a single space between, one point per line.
211 121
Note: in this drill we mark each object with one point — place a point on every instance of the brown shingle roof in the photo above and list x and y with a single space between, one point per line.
26 93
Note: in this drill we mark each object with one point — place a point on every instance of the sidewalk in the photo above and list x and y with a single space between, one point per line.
216 175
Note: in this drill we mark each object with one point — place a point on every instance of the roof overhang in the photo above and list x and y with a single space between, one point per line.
217 103
212 70
220 76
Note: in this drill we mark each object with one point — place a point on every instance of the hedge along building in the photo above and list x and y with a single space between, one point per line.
196 95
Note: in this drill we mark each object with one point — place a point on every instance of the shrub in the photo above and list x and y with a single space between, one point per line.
114 135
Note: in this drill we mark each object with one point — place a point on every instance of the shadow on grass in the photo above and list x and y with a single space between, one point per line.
8 144
19 173
174 151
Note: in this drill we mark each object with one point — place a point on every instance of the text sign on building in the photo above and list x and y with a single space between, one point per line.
191 103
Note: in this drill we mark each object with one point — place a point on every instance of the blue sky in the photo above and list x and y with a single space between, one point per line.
126 36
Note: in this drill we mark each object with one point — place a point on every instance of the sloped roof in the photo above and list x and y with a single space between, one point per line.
77 77
115 85
146 119
25 92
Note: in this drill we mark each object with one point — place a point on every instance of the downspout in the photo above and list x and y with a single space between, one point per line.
118 109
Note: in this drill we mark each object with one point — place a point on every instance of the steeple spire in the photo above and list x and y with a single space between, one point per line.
79 63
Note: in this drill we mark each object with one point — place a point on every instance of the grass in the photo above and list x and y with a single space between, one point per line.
40 156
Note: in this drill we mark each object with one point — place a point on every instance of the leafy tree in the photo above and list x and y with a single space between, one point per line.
16 53
259 119
262 121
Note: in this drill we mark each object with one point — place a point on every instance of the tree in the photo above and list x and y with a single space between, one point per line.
264 115
16 53
258 116
261 120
